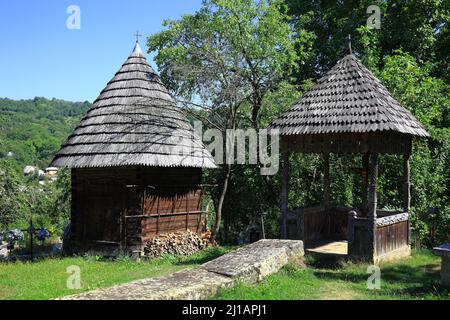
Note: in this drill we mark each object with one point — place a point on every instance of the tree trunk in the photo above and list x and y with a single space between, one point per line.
216 227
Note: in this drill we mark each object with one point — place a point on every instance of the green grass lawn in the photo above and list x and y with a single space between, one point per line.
412 278
46 279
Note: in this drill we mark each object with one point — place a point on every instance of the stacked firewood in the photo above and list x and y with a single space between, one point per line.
178 243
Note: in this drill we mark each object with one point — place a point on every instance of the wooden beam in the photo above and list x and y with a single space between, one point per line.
373 175
326 180
407 192
284 193
406 184
74 214
352 215
365 183
372 205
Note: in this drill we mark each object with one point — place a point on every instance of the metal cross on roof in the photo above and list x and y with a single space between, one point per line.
137 35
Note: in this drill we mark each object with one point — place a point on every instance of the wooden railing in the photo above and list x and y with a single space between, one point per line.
357 235
316 223
391 233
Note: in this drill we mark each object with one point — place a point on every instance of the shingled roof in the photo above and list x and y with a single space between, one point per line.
348 99
134 121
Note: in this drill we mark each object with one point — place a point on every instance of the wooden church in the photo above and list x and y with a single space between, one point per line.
136 164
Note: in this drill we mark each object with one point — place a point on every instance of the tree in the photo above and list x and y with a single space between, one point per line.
428 98
225 59
12 200
420 27
410 55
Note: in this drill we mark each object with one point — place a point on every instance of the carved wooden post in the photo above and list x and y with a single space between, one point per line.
365 185
372 205
72 235
407 192
351 233
284 192
74 214
326 180
301 224
406 184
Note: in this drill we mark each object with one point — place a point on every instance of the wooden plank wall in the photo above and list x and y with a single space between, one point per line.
151 226
360 245
391 237
338 221
318 224
99 198
175 202
315 225
129 205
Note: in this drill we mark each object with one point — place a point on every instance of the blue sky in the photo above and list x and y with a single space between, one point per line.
40 56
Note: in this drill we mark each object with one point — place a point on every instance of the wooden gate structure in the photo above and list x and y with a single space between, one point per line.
349 111
136 165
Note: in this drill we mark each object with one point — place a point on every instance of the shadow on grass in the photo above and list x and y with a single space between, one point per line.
206 255
326 261
414 280
200 257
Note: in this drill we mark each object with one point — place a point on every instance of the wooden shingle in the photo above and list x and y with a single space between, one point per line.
348 99
134 121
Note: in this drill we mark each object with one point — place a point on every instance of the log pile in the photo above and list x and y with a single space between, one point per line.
178 243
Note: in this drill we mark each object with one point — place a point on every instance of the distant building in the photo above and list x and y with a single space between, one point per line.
29 170
51 171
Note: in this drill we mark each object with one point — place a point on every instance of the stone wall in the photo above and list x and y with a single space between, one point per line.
250 263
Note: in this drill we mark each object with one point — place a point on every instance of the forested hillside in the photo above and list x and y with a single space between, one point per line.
33 130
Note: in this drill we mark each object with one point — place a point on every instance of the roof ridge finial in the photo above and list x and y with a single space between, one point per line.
137 48
137 35
350 44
